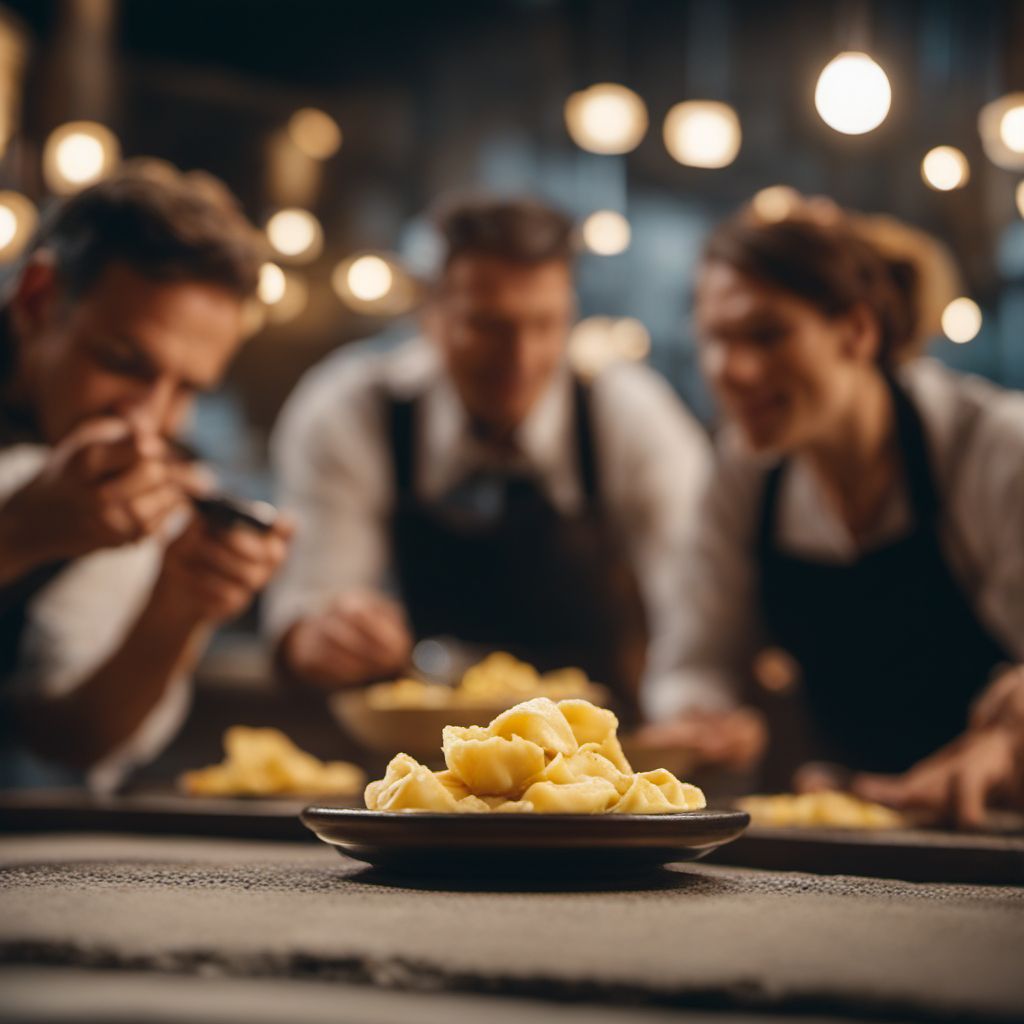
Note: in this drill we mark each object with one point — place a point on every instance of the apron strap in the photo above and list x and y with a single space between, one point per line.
401 429
585 449
917 466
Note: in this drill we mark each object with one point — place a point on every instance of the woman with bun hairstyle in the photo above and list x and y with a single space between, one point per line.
866 519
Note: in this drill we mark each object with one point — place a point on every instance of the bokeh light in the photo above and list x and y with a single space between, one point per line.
606 118
375 284
703 133
853 94
606 233
272 284
1011 128
775 203
295 233
18 220
961 320
315 133
369 278
945 168
292 301
597 342
78 154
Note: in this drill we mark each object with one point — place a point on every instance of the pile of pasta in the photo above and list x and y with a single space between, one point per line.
499 677
538 757
825 809
265 762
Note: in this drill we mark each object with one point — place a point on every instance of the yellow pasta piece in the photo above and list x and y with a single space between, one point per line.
540 721
659 792
589 723
490 765
825 809
587 796
410 786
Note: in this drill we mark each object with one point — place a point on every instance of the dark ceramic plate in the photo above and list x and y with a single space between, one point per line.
448 843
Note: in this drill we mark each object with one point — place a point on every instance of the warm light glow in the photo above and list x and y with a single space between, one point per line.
293 299
945 168
599 341
369 278
1020 197
272 284
606 232
961 320
17 222
78 154
1011 129
606 118
295 233
853 94
703 133
775 203
315 133
1001 127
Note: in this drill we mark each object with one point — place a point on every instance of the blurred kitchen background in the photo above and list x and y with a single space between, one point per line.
338 124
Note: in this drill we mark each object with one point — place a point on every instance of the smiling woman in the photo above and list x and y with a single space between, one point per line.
874 535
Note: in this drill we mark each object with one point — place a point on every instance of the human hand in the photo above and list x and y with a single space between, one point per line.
360 636
734 739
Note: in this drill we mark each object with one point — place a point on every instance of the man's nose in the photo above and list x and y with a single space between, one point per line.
150 407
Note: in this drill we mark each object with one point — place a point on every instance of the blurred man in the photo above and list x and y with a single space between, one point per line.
469 485
131 300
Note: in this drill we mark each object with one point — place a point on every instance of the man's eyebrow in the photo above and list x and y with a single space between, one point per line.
150 364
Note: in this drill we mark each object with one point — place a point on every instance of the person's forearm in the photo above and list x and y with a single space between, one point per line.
81 727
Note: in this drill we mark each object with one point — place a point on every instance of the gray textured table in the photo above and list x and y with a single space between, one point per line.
248 915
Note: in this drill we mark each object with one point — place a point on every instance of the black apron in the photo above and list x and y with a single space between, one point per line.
519 576
890 650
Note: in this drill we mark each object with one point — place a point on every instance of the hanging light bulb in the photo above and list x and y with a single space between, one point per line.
775 203
945 168
1001 127
606 233
374 284
315 133
606 118
703 133
853 94
18 219
961 320
78 154
296 234
272 284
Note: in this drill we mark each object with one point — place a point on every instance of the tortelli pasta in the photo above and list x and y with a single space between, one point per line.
537 757
500 677
827 809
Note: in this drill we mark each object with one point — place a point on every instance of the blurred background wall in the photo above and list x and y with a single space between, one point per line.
413 100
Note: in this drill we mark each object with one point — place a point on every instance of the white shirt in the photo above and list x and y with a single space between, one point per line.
79 619
334 468
975 436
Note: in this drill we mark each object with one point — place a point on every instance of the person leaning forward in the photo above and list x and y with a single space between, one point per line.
514 504
130 300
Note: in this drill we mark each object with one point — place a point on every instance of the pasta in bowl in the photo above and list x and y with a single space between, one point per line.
544 785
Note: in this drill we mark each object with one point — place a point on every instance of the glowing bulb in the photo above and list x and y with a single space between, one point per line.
606 118
8 226
598 341
315 133
945 168
369 278
853 94
606 232
630 339
775 203
272 284
1020 197
1011 129
961 320
295 233
703 133
78 154
17 222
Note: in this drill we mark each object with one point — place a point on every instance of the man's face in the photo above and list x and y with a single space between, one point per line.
783 372
129 347
503 330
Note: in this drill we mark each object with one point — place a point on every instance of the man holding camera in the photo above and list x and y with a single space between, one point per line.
131 301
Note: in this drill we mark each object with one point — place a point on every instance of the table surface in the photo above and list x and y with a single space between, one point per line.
248 917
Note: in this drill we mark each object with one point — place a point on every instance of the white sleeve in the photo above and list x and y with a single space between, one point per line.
988 503
332 471
717 628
